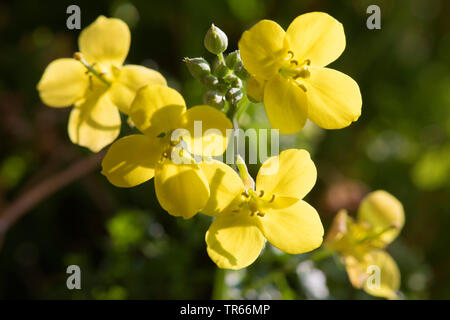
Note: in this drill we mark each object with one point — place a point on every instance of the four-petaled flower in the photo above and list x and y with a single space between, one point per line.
272 209
361 243
160 113
288 73
96 83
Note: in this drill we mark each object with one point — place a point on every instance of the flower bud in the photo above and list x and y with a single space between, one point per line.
234 95
216 40
220 70
214 99
246 178
198 67
210 81
241 72
234 81
233 60
384 213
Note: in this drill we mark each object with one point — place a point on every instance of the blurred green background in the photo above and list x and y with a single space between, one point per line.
128 247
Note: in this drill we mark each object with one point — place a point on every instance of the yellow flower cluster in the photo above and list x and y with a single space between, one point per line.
287 72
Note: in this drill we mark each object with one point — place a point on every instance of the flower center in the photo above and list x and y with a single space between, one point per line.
254 203
296 71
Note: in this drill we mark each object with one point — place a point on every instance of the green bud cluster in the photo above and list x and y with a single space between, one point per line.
224 77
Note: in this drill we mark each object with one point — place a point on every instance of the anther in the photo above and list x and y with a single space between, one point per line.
78 56
291 55
302 86
261 193
260 214
294 62
272 198
245 194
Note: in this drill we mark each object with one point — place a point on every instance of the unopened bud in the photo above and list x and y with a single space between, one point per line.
210 81
216 40
234 81
234 95
220 70
241 72
214 99
198 67
233 60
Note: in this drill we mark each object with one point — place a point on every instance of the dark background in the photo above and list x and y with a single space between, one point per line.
128 247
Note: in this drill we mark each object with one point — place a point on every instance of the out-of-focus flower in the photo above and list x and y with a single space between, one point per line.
248 213
160 113
361 243
288 73
96 83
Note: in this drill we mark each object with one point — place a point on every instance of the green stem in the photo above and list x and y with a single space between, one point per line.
321 254
219 289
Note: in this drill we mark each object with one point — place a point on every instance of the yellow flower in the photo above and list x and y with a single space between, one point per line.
361 243
272 209
96 83
288 73
158 111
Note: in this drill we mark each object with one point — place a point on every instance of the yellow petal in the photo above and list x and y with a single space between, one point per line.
316 36
209 130
130 79
334 99
388 282
157 109
285 104
255 89
106 40
95 123
131 160
383 212
296 229
356 271
182 189
291 174
234 241
337 230
225 188
63 83
263 49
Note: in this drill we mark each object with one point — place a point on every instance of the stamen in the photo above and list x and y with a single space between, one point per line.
302 86
291 55
90 68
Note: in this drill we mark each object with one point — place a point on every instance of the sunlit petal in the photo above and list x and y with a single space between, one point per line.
106 40
316 36
131 160
334 99
234 241
63 83
130 78
263 48
292 174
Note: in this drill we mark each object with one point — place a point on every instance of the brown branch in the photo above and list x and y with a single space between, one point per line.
30 198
